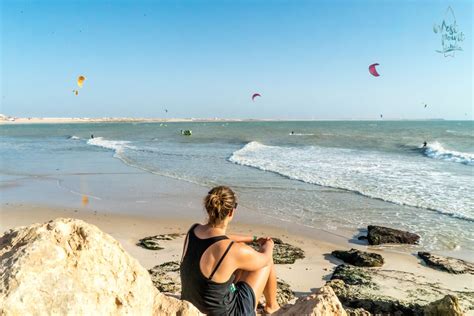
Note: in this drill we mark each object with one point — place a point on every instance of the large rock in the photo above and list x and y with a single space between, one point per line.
451 265
359 258
68 266
383 235
447 306
321 303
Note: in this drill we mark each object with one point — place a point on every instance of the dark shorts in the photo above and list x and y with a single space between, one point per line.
244 300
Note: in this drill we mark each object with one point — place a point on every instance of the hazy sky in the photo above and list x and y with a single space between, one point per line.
308 59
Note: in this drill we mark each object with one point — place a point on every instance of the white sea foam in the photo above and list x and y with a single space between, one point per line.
301 134
395 178
118 146
74 137
436 150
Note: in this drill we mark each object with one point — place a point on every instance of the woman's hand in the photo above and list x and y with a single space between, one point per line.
266 244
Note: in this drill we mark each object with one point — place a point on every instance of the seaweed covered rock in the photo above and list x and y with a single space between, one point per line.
165 277
352 275
356 311
383 235
284 294
359 258
447 264
153 242
360 302
447 306
323 302
283 253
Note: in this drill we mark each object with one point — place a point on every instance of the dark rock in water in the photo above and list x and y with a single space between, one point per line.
383 235
451 265
352 298
165 277
359 258
283 253
447 306
352 275
152 242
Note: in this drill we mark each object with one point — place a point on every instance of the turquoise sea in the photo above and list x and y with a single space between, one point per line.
326 174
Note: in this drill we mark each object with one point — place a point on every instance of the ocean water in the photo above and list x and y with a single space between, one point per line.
326 175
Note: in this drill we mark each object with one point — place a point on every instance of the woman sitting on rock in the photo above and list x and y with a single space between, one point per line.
220 274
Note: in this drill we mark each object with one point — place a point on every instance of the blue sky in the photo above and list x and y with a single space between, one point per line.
308 59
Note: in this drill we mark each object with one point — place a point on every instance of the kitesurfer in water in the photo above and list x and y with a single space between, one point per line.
92 136
424 144
292 132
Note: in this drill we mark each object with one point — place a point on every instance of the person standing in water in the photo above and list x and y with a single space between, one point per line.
220 274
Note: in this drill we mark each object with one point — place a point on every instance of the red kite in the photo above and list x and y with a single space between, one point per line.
255 95
373 71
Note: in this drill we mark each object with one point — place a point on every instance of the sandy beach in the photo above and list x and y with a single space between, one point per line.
400 268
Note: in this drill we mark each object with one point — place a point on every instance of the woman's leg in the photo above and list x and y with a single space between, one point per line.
270 290
264 282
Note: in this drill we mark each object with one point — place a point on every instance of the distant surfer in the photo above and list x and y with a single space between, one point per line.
424 144
92 136
292 133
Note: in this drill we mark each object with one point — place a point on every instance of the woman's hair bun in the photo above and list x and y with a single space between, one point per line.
219 202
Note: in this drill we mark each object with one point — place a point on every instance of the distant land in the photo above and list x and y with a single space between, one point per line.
4 119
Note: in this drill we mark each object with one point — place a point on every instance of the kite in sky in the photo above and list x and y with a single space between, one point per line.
255 95
373 70
80 81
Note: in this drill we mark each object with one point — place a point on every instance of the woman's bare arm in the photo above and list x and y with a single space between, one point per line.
249 259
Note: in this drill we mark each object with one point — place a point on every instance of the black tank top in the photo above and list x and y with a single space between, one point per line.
208 296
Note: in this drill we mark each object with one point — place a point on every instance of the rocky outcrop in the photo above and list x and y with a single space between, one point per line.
383 235
67 265
359 258
283 253
321 303
360 288
166 277
352 275
451 265
356 299
167 305
447 306
153 242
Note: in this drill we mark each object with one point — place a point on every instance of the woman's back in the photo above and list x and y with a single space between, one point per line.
208 296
